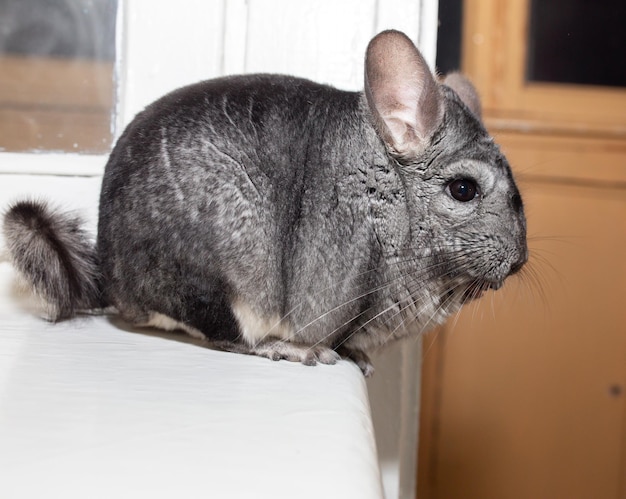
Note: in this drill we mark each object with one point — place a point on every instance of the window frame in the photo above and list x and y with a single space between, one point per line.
495 59
148 62
147 65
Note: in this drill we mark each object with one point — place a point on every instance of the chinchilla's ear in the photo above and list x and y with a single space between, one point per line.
466 91
401 92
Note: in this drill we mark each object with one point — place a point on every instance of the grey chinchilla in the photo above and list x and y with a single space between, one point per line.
283 218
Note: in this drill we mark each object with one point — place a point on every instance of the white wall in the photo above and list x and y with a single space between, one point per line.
165 44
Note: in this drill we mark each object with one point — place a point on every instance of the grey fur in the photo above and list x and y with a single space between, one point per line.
287 219
55 255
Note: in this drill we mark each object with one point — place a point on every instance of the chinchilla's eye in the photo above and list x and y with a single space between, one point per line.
463 189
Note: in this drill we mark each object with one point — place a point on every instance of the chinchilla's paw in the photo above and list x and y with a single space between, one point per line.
366 368
323 355
360 358
308 355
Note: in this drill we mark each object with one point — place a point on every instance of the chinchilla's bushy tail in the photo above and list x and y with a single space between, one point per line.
55 256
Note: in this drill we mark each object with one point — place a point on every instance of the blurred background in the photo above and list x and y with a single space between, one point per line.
524 393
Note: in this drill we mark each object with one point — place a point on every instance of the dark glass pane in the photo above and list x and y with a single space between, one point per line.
449 35
577 41
58 28
57 89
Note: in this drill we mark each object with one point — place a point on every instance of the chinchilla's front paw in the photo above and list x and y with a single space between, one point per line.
308 355
359 357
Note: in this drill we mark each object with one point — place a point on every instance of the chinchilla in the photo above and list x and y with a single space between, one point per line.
284 218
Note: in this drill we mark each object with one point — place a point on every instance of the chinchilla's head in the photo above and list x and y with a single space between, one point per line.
466 215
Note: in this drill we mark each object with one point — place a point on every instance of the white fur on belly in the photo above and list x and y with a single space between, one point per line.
161 321
255 328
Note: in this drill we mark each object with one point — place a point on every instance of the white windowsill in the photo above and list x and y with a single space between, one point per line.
91 409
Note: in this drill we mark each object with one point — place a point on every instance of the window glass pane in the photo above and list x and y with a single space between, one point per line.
449 34
56 75
577 41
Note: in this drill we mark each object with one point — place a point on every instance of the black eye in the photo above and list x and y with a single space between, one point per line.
463 189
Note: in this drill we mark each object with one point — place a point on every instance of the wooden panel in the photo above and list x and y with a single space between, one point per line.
567 159
528 401
524 391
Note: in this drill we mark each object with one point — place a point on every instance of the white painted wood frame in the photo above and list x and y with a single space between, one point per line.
164 44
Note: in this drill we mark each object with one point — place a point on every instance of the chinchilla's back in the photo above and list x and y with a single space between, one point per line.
225 193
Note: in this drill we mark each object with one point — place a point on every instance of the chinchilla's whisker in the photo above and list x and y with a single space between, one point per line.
353 318
533 280
354 277
414 275
556 238
427 350
365 324
472 294
492 305
455 320
459 256
325 314
447 301
424 326
540 256
449 297
362 326
401 310
449 292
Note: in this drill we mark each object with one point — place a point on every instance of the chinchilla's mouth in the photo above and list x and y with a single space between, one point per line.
477 288
465 291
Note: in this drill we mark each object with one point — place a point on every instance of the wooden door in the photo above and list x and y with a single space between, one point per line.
524 392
